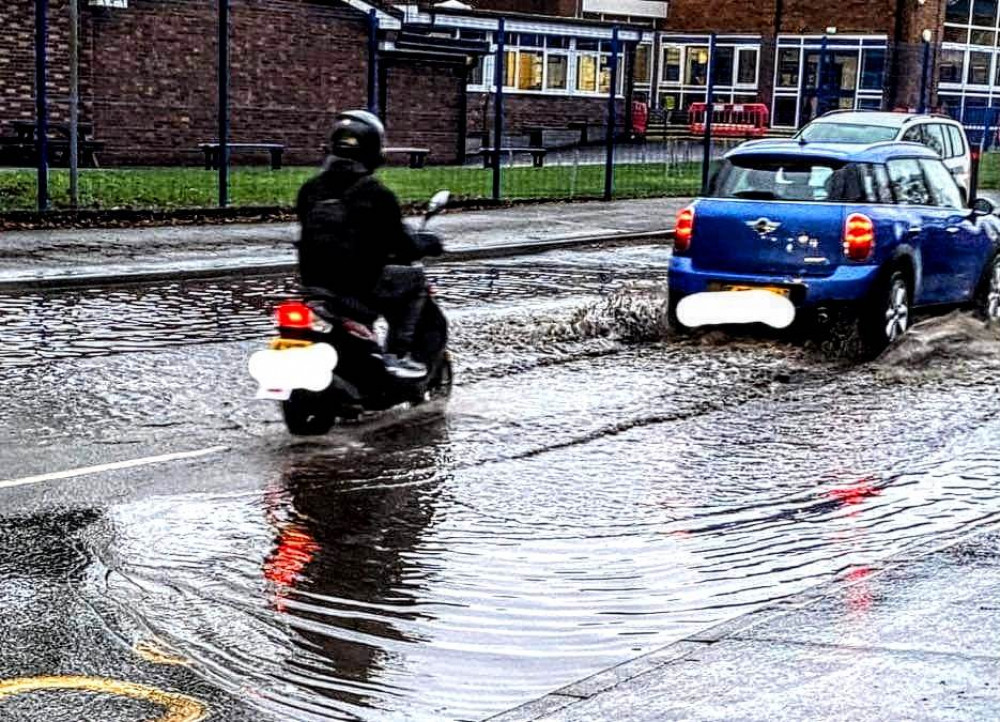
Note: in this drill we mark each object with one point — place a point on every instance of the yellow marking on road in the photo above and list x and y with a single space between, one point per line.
179 708
153 651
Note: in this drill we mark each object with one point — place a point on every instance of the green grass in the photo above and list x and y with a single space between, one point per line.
172 188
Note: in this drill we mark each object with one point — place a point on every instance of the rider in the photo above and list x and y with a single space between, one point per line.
354 243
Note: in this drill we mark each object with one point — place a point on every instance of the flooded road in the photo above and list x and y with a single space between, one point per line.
594 490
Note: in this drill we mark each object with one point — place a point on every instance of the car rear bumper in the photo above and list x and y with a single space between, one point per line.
846 283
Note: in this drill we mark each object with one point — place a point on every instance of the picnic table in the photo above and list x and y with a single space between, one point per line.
211 151
21 148
537 155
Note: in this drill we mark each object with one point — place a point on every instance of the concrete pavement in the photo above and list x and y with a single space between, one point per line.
915 638
66 257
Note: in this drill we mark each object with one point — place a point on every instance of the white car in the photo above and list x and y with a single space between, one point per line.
939 132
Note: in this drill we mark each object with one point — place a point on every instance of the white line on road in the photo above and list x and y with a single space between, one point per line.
130 464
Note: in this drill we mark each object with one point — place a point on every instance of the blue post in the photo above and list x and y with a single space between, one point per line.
373 28
498 78
223 103
41 102
925 69
706 159
609 167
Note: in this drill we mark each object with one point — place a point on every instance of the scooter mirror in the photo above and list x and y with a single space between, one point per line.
438 203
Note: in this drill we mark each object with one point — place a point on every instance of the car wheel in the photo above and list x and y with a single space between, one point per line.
673 300
887 317
988 295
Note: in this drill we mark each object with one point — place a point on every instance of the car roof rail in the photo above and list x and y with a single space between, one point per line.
838 111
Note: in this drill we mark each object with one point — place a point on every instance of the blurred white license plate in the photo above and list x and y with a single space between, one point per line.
717 308
281 370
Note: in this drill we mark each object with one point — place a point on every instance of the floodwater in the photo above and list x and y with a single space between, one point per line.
594 490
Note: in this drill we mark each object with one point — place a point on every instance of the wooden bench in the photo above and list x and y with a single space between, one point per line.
583 126
211 151
537 155
418 156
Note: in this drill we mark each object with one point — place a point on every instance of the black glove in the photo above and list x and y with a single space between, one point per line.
429 243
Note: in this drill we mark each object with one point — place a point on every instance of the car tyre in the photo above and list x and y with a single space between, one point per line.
887 316
988 294
673 300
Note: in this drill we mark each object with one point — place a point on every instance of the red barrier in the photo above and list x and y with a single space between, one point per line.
731 120
640 118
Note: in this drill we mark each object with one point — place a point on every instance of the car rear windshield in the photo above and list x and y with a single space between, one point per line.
846 133
790 178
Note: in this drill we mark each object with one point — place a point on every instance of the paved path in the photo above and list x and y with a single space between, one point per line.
916 638
74 254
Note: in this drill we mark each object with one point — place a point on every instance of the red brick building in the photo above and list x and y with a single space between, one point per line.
871 51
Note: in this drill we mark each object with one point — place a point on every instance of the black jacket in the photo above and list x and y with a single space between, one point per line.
352 227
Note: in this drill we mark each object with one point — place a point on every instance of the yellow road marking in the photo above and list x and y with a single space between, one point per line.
179 708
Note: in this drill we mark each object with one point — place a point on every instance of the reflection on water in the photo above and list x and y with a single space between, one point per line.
554 523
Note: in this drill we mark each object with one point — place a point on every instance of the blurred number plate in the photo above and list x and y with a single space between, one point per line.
280 344
773 289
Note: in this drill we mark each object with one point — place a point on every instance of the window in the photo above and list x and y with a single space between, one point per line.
914 135
643 69
784 178
724 60
586 73
671 65
834 132
478 74
934 138
950 65
788 68
872 69
979 68
983 37
746 64
785 111
909 186
958 11
883 191
944 189
957 141
956 35
604 86
510 69
529 70
984 12
558 72
697 66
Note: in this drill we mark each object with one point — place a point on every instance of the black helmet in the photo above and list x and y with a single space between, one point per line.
359 135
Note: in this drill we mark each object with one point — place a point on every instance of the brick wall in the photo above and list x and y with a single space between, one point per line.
17 61
293 66
424 107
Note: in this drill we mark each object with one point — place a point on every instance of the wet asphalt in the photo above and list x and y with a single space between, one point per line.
595 489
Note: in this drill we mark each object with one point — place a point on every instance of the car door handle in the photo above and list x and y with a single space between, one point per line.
953 229
915 230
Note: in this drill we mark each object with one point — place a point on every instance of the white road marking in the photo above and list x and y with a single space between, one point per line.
130 464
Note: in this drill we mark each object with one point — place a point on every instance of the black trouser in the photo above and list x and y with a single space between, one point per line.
399 295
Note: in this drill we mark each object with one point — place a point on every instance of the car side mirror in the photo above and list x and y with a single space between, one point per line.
982 207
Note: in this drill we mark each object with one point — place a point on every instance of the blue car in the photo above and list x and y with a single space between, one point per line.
792 229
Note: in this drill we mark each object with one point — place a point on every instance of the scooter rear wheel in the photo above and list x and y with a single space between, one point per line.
305 415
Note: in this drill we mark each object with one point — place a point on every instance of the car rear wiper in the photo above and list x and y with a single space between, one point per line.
756 195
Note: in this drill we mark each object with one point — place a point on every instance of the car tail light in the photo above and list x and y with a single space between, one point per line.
684 230
294 314
859 237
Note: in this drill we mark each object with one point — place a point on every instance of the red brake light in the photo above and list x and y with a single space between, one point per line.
684 230
294 314
859 237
